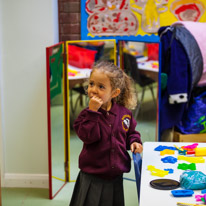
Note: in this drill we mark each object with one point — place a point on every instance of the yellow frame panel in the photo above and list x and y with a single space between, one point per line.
68 113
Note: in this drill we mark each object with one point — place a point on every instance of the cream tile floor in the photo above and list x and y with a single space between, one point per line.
40 197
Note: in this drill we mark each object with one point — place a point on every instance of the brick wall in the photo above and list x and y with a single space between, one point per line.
69 20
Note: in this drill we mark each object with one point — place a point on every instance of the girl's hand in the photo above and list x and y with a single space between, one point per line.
95 103
136 147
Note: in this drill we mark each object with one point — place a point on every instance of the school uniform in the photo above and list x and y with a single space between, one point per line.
107 135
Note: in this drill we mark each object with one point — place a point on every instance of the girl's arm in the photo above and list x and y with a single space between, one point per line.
134 142
87 126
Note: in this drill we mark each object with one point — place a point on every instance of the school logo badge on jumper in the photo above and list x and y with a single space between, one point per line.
126 122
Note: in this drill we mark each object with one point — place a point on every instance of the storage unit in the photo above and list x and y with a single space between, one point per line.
178 137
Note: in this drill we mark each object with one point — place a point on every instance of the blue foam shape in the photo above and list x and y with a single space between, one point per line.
182 193
161 148
170 170
169 159
203 191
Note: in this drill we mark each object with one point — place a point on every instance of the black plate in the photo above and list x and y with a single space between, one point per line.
164 184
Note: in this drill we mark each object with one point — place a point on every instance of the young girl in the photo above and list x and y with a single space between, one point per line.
107 130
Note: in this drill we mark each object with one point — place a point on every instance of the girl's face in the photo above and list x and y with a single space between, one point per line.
100 86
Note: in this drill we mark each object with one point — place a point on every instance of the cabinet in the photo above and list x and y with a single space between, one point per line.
178 137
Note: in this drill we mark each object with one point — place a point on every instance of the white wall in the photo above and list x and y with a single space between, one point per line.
1 134
28 27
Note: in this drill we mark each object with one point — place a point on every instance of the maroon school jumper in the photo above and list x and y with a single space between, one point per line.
107 136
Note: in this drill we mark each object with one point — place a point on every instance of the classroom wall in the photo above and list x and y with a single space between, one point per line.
1 136
27 28
69 20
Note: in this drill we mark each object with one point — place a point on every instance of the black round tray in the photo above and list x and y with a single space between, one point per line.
164 184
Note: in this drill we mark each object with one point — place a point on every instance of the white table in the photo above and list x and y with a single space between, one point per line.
150 196
82 75
148 65
148 69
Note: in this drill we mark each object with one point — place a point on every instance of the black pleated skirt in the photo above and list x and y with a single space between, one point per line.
90 190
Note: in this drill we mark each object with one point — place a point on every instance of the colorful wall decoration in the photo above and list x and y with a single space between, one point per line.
123 19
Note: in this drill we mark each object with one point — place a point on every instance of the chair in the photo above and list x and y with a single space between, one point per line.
137 159
131 68
137 167
81 92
